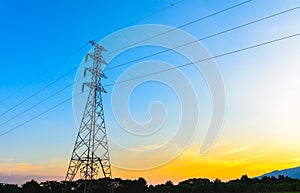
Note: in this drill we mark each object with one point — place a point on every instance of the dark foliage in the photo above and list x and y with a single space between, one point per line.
195 185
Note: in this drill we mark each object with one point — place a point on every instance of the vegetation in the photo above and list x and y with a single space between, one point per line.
196 185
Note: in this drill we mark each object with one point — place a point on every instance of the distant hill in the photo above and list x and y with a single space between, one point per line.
291 172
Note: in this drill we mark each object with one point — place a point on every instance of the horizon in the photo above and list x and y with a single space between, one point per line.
56 178
159 127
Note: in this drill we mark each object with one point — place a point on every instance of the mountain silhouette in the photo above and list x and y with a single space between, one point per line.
290 172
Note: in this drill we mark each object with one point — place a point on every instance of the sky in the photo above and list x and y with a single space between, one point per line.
42 40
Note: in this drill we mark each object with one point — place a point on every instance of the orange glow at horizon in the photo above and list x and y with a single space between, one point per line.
225 162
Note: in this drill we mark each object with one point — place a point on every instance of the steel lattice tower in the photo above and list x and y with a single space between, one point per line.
90 153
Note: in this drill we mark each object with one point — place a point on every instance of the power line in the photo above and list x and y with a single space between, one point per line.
181 26
41 101
162 9
42 74
39 91
149 15
54 66
74 52
203 38
73 69
161 71
40 114
205 59
35 105
206 37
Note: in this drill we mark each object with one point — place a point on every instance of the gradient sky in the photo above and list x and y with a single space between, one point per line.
261 127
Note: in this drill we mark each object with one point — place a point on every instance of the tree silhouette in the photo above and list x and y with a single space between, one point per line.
32 187
9 188
193 185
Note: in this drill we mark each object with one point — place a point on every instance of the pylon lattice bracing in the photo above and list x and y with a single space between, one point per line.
90 153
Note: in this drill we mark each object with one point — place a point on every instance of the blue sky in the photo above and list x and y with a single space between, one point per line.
262 85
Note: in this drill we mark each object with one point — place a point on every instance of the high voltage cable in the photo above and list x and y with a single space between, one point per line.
157 72
181 26
73 69
160 10
149 15
205 59
39 91
204 38
42 74
54 66
40 102
38 115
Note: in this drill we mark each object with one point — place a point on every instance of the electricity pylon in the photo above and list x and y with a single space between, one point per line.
90 152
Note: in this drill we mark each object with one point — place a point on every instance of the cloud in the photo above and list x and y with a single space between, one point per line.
21 179
19 172
250 158
10 166
238 150
148 147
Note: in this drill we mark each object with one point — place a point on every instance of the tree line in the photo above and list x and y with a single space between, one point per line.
194 185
